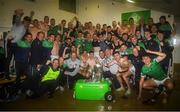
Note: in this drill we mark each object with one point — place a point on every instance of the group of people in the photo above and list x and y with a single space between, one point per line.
53 55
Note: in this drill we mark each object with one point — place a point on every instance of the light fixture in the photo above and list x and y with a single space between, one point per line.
130 1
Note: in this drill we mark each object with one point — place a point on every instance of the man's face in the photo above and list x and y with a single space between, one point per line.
29 38
135 52
61 60
146 60
40 36
52 22
117 57
160 36
101 54
55 64
46 19
162 20
134 40
147 35
73 56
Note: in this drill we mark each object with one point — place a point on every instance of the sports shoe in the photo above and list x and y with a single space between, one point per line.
128 92
120 89
149 101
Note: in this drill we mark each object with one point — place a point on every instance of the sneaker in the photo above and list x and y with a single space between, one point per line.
61 88
149 101
120 89
128 92
57 88
29 93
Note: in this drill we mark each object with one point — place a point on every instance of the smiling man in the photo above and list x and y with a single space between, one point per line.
157 76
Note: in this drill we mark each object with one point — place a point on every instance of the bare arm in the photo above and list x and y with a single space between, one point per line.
160 57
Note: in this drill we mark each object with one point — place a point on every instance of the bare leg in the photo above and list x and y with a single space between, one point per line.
119 77
125 77
169 86
149 84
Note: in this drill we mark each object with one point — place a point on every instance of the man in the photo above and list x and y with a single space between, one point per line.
21 56
47 81
110 68
17 32
50 78
73 66
153 69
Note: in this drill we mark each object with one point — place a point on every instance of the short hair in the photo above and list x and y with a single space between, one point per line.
163 17
27 33
116 52
27 18
55 59
145 55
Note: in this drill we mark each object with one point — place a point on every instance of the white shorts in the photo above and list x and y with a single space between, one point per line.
160 82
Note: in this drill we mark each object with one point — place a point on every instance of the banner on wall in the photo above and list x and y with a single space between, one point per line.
136 15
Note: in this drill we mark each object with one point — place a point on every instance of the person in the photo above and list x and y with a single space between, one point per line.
73 66
47 47
153 69
21 56
126 69
136 60
36 58
44 25
50 78
35 28
165 26
110 68
17 32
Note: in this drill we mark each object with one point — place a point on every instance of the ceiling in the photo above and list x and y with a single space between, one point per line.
167 6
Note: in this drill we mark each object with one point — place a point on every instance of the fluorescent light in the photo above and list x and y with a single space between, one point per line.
131 1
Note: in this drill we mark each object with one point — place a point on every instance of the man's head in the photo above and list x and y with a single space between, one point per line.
52 22
101 53
135 51
73 56
116 56
146 59
28 37
55 63
162 19
46 19
40 35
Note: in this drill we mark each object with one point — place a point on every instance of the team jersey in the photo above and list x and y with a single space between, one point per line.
154 71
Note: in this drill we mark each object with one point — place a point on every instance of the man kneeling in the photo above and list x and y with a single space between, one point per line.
47 82
157 76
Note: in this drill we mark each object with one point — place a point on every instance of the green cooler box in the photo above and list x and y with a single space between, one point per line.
88 90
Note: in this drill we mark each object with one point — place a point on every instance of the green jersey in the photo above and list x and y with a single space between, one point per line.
154 71
88 46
